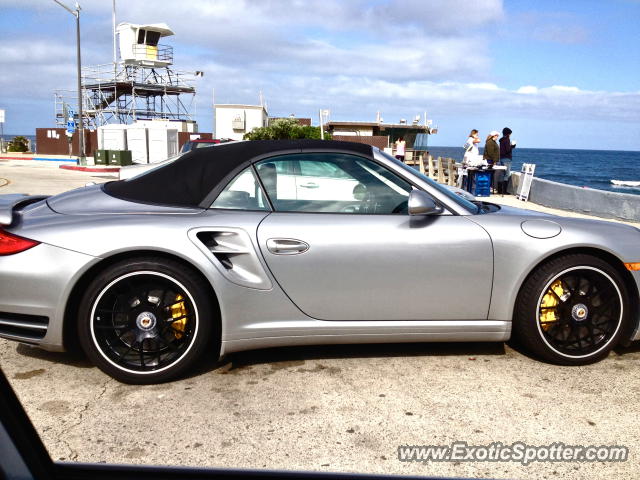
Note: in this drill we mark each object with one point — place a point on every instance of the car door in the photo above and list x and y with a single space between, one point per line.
365 258
316 178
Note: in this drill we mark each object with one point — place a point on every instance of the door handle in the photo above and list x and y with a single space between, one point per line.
286 246
310 185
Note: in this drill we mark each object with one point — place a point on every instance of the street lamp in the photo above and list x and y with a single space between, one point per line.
76 13
323 114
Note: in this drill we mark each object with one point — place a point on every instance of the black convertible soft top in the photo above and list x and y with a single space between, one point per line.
189 181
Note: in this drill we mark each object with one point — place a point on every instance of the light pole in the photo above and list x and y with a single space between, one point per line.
76 13
323 114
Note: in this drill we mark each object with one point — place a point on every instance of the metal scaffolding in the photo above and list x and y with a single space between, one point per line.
128 93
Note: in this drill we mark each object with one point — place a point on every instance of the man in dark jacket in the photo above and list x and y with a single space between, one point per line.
506 149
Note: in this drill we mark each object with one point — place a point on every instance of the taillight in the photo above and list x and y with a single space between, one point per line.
10 244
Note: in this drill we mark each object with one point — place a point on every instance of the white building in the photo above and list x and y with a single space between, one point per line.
233 121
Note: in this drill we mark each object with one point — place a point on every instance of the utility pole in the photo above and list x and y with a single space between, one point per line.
115 63
323 114
76 13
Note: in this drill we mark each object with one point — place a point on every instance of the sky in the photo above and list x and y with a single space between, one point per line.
560 74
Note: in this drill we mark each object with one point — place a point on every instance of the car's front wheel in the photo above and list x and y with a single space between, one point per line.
146 320
573 310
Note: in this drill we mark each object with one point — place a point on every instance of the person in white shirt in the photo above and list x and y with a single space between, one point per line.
471 156
400 145
471 148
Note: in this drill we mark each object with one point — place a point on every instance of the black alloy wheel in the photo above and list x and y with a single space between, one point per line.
146 321
573 310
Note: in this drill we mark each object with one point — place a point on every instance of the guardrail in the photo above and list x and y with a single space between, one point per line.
589 201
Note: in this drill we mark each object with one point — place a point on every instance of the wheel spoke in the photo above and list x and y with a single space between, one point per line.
172 320
142 353
567 286
169 345
123 357
603 306
111 327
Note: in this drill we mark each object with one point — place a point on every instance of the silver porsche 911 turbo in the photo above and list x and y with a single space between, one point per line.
260 244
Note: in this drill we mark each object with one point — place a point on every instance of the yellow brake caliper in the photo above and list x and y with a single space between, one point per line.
548 314
179 310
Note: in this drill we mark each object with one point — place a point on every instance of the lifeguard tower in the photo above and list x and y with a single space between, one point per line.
140 85
139 44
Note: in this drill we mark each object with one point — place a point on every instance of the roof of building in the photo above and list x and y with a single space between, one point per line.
163 28
376 124
231 105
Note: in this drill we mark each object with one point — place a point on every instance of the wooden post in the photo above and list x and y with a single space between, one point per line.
452 172
441 178
421 163
430 163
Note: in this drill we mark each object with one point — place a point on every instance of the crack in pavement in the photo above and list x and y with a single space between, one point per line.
73 455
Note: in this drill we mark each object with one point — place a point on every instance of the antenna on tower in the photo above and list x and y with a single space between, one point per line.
113 21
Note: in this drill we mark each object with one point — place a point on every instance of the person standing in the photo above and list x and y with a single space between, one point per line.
400 146
491 154
470 158
471 148
491 149
506 157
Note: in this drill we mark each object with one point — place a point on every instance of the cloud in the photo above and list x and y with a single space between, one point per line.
527 90
551 27
354 57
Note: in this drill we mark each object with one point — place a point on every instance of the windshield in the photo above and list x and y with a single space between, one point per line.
204 144
471 207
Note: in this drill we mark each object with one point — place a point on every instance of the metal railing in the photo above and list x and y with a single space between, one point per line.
160 53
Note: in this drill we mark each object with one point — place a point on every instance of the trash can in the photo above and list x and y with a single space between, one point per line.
101 157
120 157
480 183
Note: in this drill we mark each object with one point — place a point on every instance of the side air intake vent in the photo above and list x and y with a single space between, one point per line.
18 326
232 251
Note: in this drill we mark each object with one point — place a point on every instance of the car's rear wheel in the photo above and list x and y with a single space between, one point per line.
573 310
146 320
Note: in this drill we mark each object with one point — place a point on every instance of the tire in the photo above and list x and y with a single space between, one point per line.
147 320
573 310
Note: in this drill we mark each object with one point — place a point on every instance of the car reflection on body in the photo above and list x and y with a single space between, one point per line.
271 243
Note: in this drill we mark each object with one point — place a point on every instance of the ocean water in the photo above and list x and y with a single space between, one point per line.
583 168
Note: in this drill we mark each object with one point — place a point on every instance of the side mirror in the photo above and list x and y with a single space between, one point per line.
421 203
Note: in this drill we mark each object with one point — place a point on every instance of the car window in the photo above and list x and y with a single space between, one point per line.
242 193
287 167
314 168
332 183
471 207
203 144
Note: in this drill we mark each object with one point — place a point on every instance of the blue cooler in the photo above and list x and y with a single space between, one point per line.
480 183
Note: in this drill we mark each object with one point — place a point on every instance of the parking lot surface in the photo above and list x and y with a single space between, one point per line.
329 408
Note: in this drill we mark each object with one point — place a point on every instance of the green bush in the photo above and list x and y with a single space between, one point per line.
284 129
18 144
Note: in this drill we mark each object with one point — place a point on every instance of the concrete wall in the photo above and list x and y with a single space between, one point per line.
53 141
622 206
